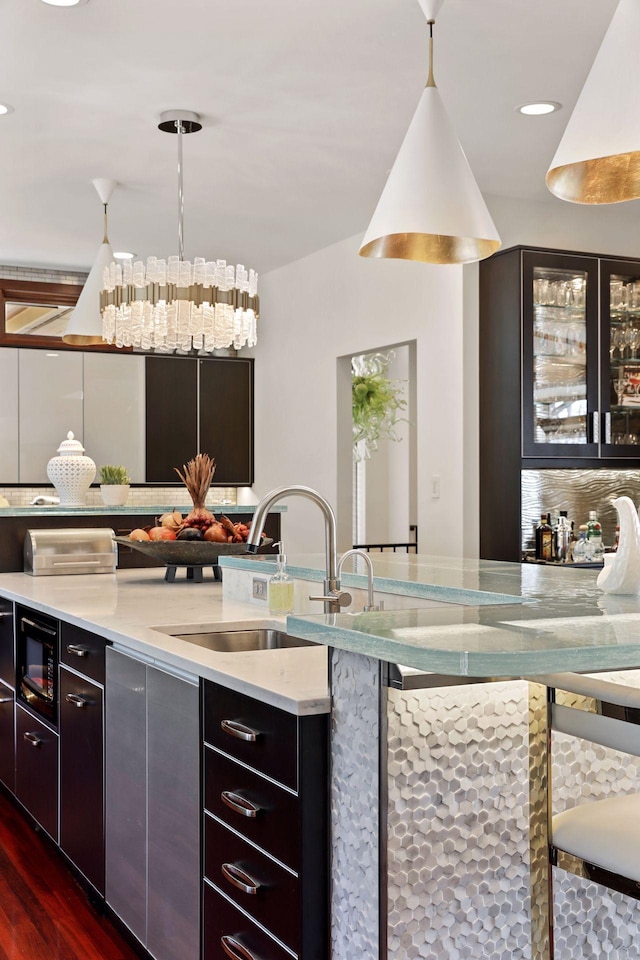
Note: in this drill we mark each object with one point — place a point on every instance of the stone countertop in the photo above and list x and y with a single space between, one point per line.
138 509
525 619
125 606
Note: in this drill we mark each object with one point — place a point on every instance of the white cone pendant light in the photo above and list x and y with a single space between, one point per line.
431 208
85 323
598 160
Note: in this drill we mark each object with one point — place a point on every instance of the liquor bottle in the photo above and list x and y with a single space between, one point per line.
594 535
544 539
562 538
580 546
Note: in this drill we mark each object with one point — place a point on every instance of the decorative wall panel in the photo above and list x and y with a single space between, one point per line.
355 772
458 823
578 492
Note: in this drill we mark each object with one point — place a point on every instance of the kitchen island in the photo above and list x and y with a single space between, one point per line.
432 855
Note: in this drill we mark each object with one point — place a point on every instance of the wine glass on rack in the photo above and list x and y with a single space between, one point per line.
620 385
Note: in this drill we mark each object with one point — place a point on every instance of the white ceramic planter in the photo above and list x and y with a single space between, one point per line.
114 494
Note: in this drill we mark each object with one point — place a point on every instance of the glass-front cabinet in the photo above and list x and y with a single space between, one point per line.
560 356
620 361
580 357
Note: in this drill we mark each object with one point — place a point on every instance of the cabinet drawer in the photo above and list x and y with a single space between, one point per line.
270 816
37 770
276 901
83 651
273 744
223 921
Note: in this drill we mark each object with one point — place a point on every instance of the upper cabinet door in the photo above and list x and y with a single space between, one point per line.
560 356
9 450
226 418
171 416
620 365
114 411
50 397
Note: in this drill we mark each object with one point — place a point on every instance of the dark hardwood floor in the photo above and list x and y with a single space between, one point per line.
44 914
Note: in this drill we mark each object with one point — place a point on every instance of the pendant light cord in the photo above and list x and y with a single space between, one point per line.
430 80
105 238
180 131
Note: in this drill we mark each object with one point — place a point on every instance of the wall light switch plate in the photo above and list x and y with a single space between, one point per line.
259 591
435 487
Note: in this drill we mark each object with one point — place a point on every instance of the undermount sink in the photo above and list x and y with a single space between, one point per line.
243 641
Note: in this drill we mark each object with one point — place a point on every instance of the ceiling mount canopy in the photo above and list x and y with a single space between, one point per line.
175 305
431 208
85 323
598 159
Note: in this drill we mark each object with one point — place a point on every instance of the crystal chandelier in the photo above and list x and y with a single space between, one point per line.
175 305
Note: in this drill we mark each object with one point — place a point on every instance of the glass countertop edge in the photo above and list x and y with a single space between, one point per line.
404 588
131 509
502 664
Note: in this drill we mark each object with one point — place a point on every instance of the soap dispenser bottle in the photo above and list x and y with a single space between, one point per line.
281 586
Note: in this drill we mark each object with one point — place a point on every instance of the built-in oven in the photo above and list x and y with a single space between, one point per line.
37 644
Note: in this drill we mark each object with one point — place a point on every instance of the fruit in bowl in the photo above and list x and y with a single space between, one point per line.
161 533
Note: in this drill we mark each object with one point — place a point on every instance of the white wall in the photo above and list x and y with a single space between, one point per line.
330 305
612 230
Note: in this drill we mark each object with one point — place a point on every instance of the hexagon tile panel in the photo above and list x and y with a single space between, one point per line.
458 846
355 785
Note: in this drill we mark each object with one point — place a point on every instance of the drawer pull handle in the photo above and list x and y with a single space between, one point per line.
6 700
33 739
239 878
76 700
239 730
77 649
234 949
240 804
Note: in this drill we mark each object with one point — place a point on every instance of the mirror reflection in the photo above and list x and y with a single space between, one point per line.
34 319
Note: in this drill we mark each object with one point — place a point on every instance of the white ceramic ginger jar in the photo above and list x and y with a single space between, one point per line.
71 472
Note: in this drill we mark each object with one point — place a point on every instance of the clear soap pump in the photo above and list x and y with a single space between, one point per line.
281 586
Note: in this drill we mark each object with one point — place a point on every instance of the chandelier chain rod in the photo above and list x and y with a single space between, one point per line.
180 131
430 79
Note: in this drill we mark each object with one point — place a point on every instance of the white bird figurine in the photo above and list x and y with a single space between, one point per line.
622 575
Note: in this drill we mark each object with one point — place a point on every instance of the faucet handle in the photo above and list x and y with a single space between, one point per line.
338 597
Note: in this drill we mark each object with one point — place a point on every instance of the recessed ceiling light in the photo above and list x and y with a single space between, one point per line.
5 108
539 107
65 3
123 255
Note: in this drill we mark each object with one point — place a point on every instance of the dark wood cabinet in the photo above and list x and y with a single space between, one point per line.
37 770
265 829
82 774
199 405
7 738
7 661
559 376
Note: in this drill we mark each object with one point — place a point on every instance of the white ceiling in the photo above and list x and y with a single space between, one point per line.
304 107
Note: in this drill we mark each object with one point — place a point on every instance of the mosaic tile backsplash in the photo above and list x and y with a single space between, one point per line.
138 496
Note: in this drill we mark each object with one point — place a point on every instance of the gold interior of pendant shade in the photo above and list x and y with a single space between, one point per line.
603 180
430 248
80 341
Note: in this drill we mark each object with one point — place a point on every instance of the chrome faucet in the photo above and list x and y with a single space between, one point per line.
371 604
334 598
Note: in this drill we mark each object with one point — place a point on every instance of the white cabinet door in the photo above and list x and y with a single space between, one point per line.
9 457
50 398
114 411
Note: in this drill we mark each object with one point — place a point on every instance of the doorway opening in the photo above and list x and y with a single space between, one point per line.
377 462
